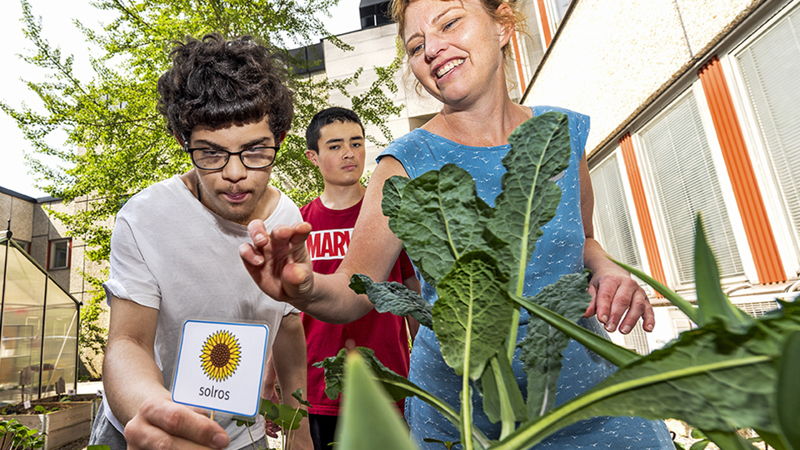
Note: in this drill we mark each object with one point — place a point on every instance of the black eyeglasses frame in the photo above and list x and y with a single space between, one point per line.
228 155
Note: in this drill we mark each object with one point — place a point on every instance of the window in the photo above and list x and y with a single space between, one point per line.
612 217
769 66
637 339
557 10
59 254
684 182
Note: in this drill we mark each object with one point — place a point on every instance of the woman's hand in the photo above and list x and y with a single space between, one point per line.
614 294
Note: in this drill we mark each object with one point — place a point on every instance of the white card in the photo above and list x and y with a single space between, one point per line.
220 366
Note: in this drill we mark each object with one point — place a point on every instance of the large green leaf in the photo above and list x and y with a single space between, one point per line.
543 346
393 297
540 150
440 218
472 315
709 377
368 417
712 303
729 440
788 408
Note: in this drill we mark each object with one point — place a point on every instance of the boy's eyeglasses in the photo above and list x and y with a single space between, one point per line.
252 158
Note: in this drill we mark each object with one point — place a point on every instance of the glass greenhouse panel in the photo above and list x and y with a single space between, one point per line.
60 339
23 307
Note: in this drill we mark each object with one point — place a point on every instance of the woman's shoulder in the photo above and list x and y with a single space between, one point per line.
572 115
579 125
414 139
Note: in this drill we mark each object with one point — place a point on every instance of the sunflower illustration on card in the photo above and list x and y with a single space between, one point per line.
220 366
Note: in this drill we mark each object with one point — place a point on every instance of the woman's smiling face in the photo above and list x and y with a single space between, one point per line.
454 47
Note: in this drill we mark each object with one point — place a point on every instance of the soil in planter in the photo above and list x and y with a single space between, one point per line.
49 403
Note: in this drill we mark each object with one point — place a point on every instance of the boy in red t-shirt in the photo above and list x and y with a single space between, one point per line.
335 140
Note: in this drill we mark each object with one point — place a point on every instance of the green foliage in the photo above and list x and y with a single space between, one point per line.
543 344
399 299
788 409
283 415
471 323
368 408
93 337
116 142
16 436
731 372
453 219
529 199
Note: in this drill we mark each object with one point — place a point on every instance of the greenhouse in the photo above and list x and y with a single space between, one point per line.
39 322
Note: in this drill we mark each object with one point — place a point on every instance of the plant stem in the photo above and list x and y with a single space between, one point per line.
506 413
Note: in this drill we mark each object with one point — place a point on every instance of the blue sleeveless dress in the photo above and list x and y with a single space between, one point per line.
559 251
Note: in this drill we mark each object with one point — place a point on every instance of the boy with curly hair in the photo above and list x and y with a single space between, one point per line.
174 247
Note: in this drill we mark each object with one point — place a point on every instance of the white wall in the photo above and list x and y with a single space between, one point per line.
612 57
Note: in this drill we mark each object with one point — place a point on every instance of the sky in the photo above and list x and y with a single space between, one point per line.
57 27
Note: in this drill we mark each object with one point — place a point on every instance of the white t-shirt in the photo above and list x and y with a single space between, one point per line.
171 253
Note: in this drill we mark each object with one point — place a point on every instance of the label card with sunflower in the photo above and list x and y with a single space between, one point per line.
220 366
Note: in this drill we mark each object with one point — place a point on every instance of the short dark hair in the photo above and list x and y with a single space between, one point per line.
214 82
326 117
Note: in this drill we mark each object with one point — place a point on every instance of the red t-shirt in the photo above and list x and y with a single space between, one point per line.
384 333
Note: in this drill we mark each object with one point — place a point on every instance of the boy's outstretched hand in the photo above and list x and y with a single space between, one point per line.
279 262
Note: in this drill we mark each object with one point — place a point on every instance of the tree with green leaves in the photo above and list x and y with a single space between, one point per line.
117 143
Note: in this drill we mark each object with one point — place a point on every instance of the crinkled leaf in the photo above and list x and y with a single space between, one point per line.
393 297
501 394
397 386
368 416
709 377
392 196
471 317
712 303
789 391
540 150
543 345
439 219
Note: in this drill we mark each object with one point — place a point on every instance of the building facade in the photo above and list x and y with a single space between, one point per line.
694 108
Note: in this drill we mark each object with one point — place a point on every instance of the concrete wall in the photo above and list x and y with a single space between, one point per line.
612 58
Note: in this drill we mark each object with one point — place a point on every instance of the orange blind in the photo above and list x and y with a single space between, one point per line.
548 36
740 170
642 210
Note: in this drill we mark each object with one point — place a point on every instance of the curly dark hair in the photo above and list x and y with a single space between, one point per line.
214 82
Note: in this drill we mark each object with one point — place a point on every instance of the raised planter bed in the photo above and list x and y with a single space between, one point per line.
72 420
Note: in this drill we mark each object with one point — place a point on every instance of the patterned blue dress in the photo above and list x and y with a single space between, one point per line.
559 251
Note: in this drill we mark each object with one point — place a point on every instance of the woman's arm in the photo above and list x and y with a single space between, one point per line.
612 289
279 262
